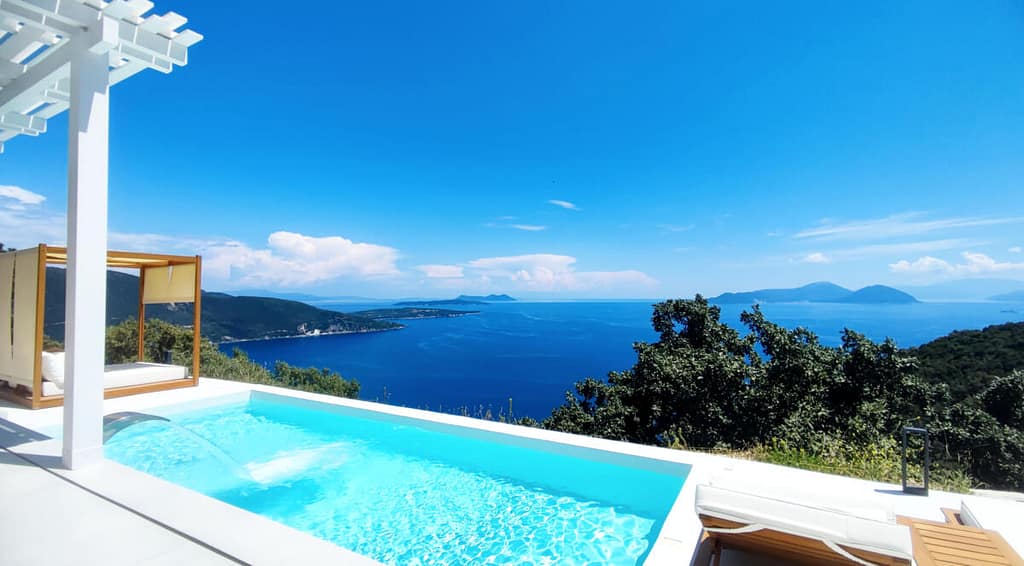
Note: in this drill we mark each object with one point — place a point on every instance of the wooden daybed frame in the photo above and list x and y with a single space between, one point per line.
24 333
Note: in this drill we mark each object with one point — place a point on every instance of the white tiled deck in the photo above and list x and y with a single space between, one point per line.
48 520
128 517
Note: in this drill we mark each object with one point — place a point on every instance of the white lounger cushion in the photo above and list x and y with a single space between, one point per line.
139 373
808 515
53 368
121 375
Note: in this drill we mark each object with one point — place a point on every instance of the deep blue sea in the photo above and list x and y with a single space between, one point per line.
532 352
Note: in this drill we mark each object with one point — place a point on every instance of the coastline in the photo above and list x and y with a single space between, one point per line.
308 335
339 332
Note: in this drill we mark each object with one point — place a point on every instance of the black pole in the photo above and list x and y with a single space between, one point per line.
915 490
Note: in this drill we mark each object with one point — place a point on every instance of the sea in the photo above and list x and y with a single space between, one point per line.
521 358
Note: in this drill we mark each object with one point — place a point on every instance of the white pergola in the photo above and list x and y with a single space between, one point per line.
65 54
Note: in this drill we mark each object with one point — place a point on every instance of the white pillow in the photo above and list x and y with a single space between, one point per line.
51 389
53 368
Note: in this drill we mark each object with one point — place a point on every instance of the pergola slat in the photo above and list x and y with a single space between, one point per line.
40 39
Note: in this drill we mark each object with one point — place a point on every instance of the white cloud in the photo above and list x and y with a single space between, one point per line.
897 225
17 198
564 204
290 259
816 257
550 272
442 271
981 263
1015 250
25 219
523 227
293 259
925 264
974 263
877 250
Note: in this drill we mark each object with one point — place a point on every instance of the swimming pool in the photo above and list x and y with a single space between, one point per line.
410 491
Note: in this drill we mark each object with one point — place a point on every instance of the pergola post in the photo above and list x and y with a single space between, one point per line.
60 55
85 313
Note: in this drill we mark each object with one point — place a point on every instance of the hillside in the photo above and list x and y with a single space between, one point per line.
878 295
1012 297
225 317
821 292
967 360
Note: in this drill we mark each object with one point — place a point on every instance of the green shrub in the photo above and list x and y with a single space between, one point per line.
879 461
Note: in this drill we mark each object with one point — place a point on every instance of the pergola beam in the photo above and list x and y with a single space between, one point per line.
47 34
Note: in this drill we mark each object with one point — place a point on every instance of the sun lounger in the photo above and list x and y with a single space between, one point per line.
126 375
801 527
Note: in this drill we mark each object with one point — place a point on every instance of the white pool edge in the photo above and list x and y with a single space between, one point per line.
190 511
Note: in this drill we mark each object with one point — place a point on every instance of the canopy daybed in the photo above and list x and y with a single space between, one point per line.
30 377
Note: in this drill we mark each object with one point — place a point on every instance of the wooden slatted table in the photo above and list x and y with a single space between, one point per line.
952 544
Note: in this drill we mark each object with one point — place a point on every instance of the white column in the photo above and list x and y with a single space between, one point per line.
86 299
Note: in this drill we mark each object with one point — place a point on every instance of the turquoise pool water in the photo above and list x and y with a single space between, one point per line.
404 491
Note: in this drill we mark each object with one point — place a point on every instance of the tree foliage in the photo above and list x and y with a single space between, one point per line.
704 385
968 360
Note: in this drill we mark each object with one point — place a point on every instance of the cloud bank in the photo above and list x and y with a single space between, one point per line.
548 273
973 264
292 260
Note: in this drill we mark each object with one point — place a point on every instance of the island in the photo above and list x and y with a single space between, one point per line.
820 292
442 302
410 313
460 300
1011 297
486 299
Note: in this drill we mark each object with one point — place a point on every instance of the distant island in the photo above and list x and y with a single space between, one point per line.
442 302
486 299
1013 297
460 300
821 292
410 313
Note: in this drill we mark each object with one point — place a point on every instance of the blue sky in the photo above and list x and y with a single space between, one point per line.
570 149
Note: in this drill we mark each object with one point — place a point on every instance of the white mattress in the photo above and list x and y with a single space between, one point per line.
809 515
137 373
